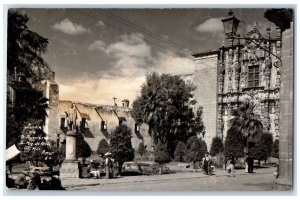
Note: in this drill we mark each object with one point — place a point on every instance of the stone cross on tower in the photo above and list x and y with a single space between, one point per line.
114 98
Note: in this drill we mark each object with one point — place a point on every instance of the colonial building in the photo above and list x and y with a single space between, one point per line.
237 72
96 122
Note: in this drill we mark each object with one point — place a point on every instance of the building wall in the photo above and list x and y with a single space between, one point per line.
94 114
52 123
206 92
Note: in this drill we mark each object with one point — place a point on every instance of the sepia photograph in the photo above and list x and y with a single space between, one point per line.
149 99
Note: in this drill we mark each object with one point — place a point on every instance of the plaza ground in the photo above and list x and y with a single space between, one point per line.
262 180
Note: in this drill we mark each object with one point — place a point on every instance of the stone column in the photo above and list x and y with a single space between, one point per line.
285 178
70 166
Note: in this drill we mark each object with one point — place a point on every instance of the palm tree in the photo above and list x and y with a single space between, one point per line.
246 121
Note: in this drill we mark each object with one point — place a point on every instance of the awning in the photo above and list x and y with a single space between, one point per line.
123 119
84 115
12 152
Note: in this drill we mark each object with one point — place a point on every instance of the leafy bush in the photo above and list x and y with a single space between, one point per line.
196 149
180 152
275 149
219 160
265 146
216 146
234 143
203 148
161 154
102 147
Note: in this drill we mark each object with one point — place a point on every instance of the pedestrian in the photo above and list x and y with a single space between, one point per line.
209 164
108 164
250 162
205 164
246 162
230 168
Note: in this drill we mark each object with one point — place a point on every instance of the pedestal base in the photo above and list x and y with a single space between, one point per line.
69 169
283 184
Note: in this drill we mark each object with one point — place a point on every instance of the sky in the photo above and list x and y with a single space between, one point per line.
98 54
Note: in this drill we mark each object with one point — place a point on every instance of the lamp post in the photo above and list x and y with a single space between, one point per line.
231 24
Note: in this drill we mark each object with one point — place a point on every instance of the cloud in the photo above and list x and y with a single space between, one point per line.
97 45
130 55
131 58
211 25
132 45
100 23
68 27
102 90
172 64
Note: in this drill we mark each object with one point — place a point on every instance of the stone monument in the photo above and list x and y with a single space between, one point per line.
70 166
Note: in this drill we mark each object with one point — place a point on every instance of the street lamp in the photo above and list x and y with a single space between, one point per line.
230 24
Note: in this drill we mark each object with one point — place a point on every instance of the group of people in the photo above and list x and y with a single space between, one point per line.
108 165
249 164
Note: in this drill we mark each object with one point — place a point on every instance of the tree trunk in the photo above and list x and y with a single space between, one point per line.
248 144
120 169
153 136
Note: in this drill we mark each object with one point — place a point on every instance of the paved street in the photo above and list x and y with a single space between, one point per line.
262 180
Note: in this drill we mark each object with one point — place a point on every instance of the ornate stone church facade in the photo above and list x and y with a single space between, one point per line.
235 73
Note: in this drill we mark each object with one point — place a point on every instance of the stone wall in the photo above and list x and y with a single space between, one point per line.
205 78
53 111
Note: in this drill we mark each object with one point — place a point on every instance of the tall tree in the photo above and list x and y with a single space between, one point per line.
164 106
121 147
25 69
246 121
24 48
